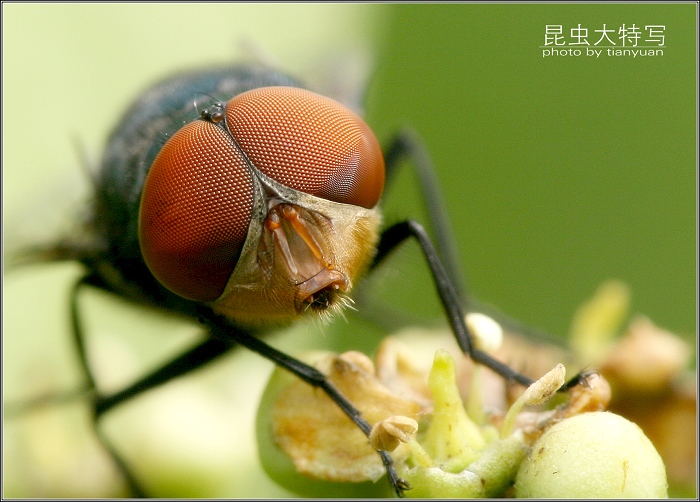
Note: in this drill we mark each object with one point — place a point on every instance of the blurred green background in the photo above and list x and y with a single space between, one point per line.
558 173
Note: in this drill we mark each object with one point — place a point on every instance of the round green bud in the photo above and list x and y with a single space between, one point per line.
593 455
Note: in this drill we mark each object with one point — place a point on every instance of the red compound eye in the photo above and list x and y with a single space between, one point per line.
197 201
309 143
195 210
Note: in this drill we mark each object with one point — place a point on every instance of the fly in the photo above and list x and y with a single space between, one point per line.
259 210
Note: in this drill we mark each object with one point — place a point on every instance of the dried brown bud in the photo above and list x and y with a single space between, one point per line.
390 432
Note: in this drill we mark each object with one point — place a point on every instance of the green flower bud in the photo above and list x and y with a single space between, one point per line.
593 455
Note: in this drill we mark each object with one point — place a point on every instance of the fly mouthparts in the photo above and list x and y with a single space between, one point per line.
321 290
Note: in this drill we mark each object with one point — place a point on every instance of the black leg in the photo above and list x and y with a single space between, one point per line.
395 235
223 331
222 337
78 335
194 358
407 144
79 340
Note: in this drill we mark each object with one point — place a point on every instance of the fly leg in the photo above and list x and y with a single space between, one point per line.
408 145
442 258
395 235
221 330
194 358
222 337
